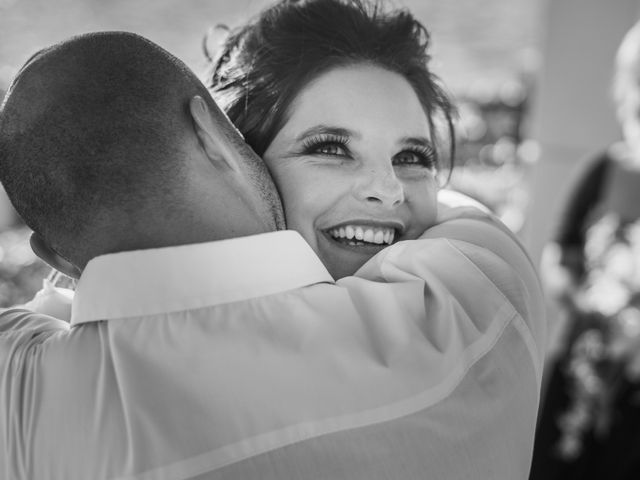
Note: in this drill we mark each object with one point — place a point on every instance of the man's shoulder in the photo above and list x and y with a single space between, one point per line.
20 319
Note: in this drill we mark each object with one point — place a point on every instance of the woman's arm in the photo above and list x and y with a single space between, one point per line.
466 241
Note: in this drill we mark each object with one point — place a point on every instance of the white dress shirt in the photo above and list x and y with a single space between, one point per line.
243 359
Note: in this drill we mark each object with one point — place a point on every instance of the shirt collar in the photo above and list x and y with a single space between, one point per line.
171 279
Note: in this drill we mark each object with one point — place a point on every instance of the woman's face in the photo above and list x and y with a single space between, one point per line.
355 165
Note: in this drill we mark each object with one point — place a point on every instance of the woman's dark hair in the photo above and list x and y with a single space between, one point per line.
264 64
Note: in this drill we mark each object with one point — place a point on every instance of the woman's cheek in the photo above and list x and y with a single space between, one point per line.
299 211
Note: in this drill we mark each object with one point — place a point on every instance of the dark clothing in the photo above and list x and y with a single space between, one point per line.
615 456
585 195
603 207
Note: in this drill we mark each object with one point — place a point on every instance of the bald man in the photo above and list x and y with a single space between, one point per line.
205 344
87 139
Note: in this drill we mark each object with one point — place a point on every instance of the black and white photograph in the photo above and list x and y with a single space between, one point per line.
319 240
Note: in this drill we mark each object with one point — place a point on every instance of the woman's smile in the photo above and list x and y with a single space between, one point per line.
363 235
352 244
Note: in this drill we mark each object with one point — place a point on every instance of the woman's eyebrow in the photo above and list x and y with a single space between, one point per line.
421 141
327 130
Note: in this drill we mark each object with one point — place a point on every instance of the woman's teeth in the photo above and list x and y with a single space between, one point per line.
378 236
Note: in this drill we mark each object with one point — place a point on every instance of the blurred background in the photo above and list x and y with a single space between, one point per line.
531 78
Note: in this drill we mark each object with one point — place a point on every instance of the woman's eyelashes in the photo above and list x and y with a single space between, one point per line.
326 144
330 145
417 155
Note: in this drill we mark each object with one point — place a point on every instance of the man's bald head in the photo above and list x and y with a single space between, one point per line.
92 129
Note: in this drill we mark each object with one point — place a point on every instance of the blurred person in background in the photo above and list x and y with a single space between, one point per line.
589 425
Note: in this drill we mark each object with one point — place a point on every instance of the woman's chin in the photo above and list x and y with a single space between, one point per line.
344 258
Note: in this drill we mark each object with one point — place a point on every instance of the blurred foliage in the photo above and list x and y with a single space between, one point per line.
471 39
493 157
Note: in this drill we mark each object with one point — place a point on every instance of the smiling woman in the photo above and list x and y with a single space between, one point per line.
338 99
355 165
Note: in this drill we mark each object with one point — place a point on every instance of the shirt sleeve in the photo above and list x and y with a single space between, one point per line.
22 329
15 322
22 333
470 244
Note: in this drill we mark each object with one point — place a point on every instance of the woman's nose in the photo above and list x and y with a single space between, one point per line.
381 185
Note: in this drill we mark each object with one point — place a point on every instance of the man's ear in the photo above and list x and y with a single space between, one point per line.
46 253
213 129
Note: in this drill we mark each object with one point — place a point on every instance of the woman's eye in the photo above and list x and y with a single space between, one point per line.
330 149
327 145
419 158
408 157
